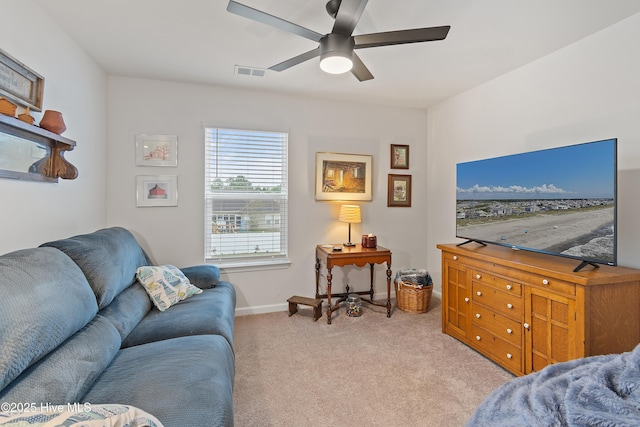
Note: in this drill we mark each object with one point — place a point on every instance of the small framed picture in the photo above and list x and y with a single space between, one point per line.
156 190
399 191
399 156
156 150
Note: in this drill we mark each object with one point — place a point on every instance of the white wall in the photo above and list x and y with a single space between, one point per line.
586 92
34 212
175 234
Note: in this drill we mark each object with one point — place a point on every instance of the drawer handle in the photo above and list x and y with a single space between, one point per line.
466 300
509 331
509 356
478 276
509 306
478 337
478 315
508 287
545 282
479 293
526 326
455 257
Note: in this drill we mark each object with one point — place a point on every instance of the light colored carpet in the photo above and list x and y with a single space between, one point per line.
366 371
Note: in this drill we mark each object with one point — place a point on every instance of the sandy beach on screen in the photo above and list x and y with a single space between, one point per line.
543 231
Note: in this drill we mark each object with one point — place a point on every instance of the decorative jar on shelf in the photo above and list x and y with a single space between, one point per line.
53 122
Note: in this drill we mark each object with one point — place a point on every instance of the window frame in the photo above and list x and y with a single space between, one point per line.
260 261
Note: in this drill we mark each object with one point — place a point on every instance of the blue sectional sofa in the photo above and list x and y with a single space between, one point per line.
76 326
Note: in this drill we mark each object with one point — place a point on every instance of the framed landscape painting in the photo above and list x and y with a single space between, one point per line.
343 176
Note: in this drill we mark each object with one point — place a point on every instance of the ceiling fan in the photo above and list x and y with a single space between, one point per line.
336 49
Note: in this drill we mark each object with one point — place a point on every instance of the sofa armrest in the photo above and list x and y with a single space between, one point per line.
203 276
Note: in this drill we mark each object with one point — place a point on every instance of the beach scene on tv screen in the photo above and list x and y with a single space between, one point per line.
559 200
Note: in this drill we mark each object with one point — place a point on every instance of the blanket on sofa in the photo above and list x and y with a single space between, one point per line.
593 391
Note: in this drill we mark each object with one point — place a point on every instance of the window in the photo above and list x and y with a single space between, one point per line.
246 196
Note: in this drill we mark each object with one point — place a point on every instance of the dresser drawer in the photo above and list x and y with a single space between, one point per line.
501 326
504 303
507 354
447 256
544 282
499 283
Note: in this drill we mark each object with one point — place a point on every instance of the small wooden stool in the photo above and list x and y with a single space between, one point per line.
313 302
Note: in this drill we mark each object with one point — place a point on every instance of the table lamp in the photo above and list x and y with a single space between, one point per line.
351 215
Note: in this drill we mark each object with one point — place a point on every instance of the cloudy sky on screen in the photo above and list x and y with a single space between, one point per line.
576 171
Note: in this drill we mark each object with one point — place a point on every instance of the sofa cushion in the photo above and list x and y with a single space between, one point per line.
128 309
211 312
204 276
108 257
44 299
185 381
77 415
65 374
166 285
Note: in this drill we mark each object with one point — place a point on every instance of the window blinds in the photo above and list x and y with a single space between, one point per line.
246 196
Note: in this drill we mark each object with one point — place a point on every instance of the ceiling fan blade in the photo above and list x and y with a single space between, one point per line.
416 35
348 16
296 60
360 70
274 21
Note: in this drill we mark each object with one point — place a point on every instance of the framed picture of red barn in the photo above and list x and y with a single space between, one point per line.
156 190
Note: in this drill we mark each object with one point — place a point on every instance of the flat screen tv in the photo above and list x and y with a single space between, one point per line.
559 201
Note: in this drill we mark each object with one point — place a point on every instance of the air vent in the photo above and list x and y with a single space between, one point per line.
249 71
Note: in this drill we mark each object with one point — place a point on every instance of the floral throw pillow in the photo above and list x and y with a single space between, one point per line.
166 285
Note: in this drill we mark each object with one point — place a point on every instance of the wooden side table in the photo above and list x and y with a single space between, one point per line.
352 255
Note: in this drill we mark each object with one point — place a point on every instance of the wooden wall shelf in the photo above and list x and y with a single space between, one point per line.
28 152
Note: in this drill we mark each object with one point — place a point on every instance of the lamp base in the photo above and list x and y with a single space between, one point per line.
348 244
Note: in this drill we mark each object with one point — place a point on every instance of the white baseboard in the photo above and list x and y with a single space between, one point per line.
261 309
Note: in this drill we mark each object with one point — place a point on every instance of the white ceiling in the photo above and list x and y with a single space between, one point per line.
198 41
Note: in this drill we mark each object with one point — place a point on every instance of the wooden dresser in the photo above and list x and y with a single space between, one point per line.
525 310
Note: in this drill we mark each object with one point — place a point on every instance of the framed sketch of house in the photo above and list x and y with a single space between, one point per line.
156 150
156 190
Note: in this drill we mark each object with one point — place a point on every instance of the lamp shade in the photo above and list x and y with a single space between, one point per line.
350 214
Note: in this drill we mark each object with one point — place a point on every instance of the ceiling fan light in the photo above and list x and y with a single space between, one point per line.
336 53
335 64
